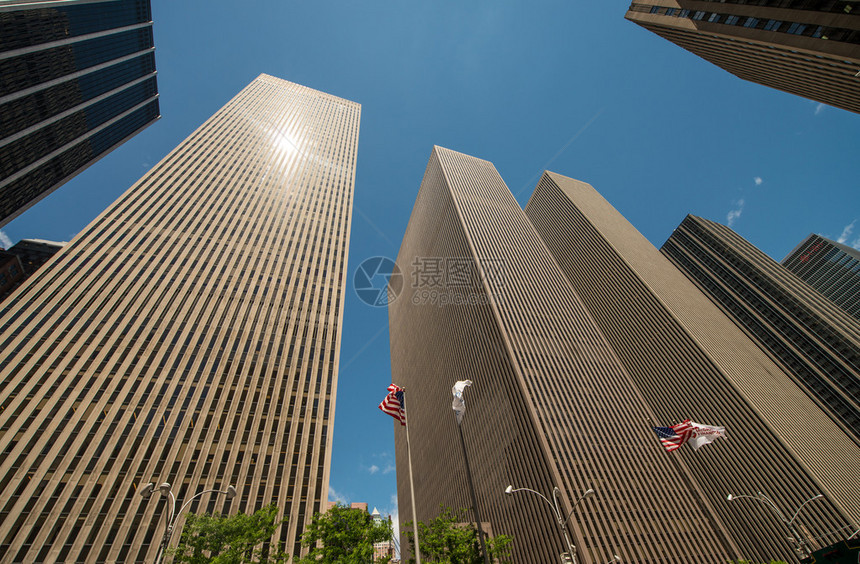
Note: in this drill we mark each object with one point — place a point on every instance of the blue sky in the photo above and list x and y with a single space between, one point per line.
566 85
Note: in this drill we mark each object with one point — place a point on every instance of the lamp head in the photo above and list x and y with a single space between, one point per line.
164 488
146 491
509 490
231 492
588 492
730 497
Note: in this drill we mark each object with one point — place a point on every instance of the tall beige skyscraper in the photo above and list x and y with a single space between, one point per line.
190 335
578 337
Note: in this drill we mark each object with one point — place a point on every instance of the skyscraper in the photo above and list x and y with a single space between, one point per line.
190 334
811 49
831 268
817 343
77 79
687 356
567 385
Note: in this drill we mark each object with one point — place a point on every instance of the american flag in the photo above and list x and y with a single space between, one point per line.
394 403
676 435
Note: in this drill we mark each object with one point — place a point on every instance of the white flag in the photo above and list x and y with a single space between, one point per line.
704 434
459 404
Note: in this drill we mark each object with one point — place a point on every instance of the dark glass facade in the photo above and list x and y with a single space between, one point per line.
831 268
75 82
814 341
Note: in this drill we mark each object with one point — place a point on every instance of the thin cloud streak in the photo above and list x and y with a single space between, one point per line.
5 241
846 233
734 214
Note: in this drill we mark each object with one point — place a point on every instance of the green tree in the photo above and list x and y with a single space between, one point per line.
230 539
343 535
448 540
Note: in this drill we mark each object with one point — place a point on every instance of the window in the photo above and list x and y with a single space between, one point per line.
732 20
772 25
670 11
751 22
698 15
797 28
655 9
714 17
684 14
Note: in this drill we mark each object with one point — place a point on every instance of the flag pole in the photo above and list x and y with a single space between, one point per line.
474 497
412 491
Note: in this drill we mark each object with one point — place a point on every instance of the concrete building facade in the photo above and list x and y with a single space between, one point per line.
559 399
811 49
190 335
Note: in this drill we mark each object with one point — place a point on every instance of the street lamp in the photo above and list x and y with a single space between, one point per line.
147 491
562 523
801 545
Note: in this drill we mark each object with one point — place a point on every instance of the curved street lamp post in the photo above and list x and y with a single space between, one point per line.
556 506
798 540
172 516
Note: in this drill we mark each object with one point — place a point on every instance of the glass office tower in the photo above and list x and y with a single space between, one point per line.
815 341
831 268
77 79
190 335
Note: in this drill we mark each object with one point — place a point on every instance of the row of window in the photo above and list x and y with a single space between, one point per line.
844 6
793 28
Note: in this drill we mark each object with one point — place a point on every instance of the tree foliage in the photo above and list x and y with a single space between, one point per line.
343 535
233 539
448 539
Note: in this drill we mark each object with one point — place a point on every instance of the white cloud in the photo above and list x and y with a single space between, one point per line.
758 180
819 108
846 233
336 496
856 243
373 469
5 241
389 469
735 213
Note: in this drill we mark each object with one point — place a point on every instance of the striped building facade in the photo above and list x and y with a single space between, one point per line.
831 268
77 79
807 48
190 335
690 360
814 341
559 400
